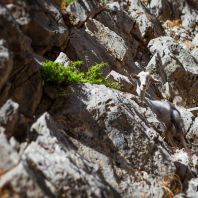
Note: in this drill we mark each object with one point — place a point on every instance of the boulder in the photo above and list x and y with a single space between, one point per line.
117 126
78 12
124 82
45 26
179 66
50 167
148 25
54 156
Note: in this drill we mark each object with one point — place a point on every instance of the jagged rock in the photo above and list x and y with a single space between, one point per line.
182 162
20 181
155 68
189 17
63 59
83 47
192 188
16 42
124 26
9 157
51 166
175 30
110 122
9 115
88 49
107 143
109 39
160 8
46 24
26 84
79 11
179 66
69 174
123 81
148 25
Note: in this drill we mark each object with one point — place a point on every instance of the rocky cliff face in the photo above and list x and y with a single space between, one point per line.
95 141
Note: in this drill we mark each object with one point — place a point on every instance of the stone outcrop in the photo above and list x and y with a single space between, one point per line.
90 140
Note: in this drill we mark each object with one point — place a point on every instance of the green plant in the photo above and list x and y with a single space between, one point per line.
56 74
67 2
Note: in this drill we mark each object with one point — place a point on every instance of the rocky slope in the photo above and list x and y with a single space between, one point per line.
95 141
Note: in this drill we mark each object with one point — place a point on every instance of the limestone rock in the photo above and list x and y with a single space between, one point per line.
123 81
109 122
9 157
109 39
53 155
160 8
26 84
192 189
63 59
9 115
179 66
148 25
45 27
79 11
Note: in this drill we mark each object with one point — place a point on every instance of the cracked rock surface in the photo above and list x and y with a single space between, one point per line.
91 140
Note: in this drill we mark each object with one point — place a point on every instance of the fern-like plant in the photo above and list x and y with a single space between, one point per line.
57 75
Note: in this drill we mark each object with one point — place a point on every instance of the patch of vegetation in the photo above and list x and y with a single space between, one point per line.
56 74
67 2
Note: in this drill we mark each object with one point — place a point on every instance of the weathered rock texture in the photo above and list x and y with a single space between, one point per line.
91 140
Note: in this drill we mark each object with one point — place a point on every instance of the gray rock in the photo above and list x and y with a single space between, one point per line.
9 157
187 117
63 59
189 17
179 67
26 86
45 27
123 81
160 8
53 155
192 188
193 132
79 11
21 181
148 25
50 167
9 115
109 39
113 123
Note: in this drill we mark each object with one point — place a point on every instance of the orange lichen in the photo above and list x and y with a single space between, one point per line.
171 185
174 23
